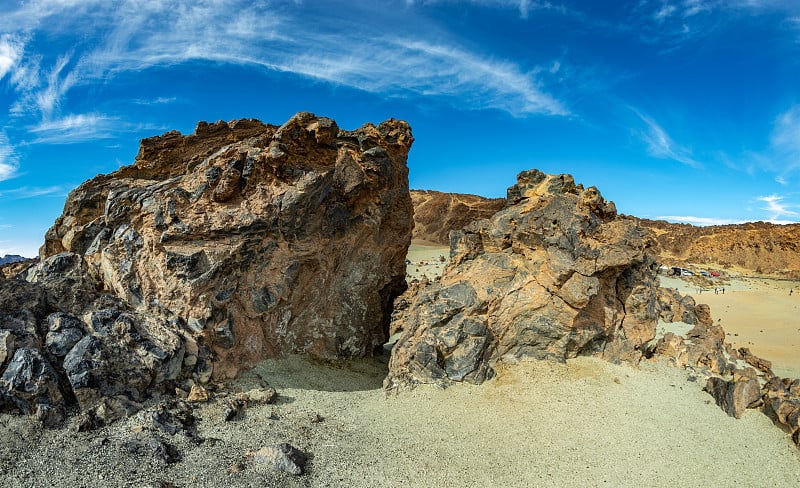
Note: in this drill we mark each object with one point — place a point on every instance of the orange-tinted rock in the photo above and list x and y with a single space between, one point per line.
759 247
262 240
759 363
437 213
734 396
555 274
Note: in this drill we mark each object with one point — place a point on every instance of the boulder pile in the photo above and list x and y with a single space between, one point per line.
211 252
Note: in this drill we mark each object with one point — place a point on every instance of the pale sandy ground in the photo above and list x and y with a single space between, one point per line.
426 259
756 313
586 423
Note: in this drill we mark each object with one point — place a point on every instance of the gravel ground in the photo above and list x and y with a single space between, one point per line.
584 423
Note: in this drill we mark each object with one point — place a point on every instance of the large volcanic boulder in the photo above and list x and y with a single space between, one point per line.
212 251
265 240
555 274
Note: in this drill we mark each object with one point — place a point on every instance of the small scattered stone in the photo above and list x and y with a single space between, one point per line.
234 410
153 446
198 394
281 457
260 396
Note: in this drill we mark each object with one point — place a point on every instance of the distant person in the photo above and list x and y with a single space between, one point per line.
723 290
790 292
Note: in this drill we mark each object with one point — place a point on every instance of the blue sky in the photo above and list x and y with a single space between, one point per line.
687 110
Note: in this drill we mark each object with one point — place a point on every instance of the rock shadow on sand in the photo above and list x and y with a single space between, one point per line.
306 373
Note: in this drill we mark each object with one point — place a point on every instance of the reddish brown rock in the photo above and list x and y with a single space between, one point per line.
760 364
734 396
437 213
555 274
265 240
782 404
674 307
214 250
759 247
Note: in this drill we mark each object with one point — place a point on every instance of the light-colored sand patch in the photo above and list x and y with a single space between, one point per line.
678 328
547 424
544 424
426 259
757 313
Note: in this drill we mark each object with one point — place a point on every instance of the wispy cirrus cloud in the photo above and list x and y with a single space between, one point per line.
8 159
777 208
140 35
785 139
660 144
10 53
77 128
155 101
24 192
74 128
525 7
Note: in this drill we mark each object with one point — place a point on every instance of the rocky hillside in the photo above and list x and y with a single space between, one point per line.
758 247
11 258
437 213
211 252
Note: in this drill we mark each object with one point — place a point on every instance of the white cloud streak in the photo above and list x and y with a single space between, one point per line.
75 128
8 160
776 207
24 192
661 145
139 35
10 53
785 139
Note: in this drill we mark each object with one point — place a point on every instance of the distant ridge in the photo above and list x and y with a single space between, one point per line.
758 247
437 213
11 258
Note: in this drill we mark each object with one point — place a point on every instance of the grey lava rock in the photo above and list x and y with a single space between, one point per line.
31 383
281 457
64 332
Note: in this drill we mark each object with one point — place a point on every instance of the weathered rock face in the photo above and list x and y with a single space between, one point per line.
757 247
734 396
782 405
555 274
211 252
265 240
437 213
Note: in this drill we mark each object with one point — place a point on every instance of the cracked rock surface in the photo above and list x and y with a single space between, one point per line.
554 275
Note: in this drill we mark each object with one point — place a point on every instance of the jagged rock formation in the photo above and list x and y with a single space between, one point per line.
554 275
209 253
437 213
781 398
758 247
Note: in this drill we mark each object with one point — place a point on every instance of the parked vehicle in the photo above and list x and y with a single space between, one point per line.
686 272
